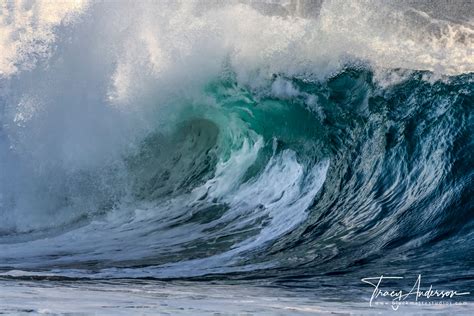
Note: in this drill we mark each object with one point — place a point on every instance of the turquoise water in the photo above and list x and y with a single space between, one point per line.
168 152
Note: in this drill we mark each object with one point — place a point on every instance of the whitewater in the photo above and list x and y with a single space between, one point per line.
235 157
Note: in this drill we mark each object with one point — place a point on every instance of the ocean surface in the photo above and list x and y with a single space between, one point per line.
240 157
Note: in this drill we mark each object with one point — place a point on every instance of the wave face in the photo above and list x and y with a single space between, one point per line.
174 140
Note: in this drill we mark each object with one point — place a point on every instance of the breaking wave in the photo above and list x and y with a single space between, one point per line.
262 139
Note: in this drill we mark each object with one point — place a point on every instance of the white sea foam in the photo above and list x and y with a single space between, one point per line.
82 83
27 30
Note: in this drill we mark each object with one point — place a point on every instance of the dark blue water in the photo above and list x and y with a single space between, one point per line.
171 156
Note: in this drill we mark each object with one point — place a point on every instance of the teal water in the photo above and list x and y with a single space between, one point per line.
279 150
